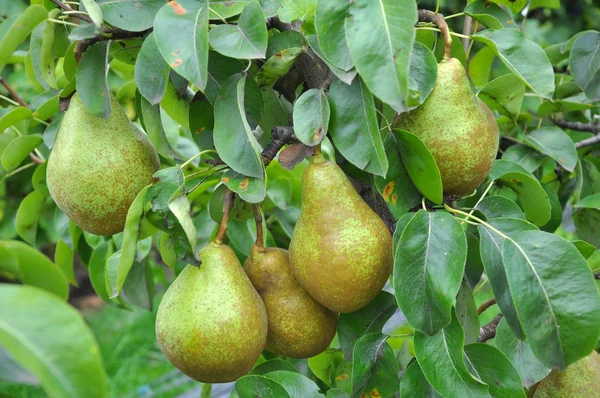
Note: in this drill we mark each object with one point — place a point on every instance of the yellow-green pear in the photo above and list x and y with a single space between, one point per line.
98 166
299 327
581 380
457 127
211 323
341 251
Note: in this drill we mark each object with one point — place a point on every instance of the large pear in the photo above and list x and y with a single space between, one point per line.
299 327
211 323
457 127
581 380
98 166
341 251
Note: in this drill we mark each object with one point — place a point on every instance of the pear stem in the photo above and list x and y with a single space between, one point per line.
227 205
440 22
259 227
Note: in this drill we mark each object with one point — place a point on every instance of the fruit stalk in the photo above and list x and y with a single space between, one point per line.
440 22
259 228
227 205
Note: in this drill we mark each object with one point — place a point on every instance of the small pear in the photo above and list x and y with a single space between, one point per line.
299 327
457 127
97 167
581 380
341 251
211 323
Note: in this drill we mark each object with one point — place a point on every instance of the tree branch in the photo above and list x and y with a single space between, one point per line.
486 305
65 7
579 126
489 331
13 93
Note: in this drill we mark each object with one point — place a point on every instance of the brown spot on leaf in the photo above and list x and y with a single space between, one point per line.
394 198
176 63
178 8
388 189
342 376
375 393
225 180
244 183
318 133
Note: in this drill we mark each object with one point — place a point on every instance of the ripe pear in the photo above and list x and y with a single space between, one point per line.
98 166
341 251
581 380
299 327
211 323
457 127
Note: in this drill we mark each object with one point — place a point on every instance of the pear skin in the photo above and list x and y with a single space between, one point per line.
97 167
211 323
341 251
457 127
299 327
581 380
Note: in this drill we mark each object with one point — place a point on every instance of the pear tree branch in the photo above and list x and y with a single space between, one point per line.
489 331
486 305
579 126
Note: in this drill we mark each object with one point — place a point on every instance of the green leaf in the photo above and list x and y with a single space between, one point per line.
466 312
246 40
28 215
34 268
441 359
505 95
226 8
181 208
311 117
420 165
519 353
94 11
19 30
422 75
252 386
50 339
557 210
584 63
494 369
14 116
121 262
83 31
329 25
584 248
250 189
474 265
296 385
151 71
491 255
181 32
97 270
353 126
525 156
533 197
380 35
428 268
321 365
374 367
589 202
272 365
555 143
202 120
154 128
132 15
490 15
292 10
41 47
91 83
513 5
177 104
233 137
480 66
63 258
415 385
495 206
18 150
139 286
345 76
559 319
523 57
38 180
276 66
397 189
370 319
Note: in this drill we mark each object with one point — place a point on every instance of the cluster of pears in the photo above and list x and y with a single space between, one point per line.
457 127
97 167
581 380
214 321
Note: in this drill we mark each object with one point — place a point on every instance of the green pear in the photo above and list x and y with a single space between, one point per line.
341 251
457 127
211 323
299 327
98 166
581 380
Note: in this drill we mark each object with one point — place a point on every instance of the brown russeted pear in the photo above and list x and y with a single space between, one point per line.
341 251
581 380
457 127
211 323
299 327
97 167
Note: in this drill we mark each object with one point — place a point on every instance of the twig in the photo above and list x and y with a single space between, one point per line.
280 136
259 227
65 7
486 305
13 94
489 331
35 159
579 126
440 22
227 205
467 31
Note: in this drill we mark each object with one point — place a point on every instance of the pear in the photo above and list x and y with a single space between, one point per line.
97 167
211 323
341 251
299 327
581 380
457 127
